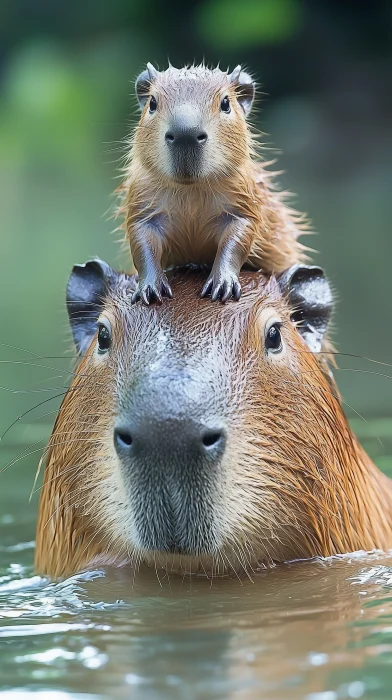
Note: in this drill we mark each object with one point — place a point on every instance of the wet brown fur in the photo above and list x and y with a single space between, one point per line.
232 182
294 481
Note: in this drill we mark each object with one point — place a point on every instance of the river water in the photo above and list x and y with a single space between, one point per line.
315 630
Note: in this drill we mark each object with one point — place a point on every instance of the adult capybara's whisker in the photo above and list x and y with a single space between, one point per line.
22 415
34 354
24 454
357 357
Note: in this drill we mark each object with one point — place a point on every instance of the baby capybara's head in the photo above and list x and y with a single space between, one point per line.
193 122
197 437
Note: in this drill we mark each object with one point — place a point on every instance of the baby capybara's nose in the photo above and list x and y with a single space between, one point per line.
186 128
155 441
192 136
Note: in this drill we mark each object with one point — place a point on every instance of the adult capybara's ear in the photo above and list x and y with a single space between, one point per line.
311 300
87 289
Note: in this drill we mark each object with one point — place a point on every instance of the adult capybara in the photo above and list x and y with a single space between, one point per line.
204 438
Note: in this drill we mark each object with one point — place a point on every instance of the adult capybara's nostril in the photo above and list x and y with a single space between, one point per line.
213 439
123 439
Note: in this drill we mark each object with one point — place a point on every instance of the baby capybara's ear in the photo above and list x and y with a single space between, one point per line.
143 83
87 290
310 298
245 88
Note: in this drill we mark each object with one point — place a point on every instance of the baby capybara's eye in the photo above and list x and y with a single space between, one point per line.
104 338
225 105
153 104
273 338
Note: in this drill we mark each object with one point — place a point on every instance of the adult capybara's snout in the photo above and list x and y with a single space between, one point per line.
170 456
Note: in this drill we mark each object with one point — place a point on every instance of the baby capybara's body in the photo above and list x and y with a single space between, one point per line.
194 191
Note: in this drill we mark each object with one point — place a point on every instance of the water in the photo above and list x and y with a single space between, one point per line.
316 630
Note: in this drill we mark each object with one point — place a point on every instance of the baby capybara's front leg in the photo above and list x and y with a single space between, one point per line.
146 241
233 251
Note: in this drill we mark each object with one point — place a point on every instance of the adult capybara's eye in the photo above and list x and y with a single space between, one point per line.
273 338
104 338
225 105
153 104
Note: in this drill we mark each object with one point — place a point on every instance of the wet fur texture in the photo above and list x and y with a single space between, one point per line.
293 482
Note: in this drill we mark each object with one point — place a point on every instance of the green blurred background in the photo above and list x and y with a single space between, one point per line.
66 105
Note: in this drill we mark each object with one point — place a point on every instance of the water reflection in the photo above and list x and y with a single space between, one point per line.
319 630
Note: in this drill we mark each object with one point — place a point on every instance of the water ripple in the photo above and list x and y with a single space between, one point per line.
37 596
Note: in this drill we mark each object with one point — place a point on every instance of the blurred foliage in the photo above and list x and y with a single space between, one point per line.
247 23
66 108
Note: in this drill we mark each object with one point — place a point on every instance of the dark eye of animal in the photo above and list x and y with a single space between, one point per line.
104 338
273 338
153 104
225 105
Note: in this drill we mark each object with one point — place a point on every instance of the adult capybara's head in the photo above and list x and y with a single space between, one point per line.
199 437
